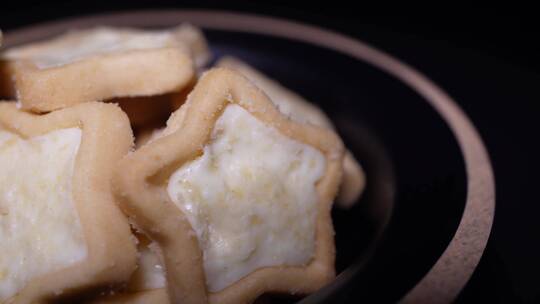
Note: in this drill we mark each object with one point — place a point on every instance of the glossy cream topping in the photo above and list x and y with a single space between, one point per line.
251 198
78 45
40 230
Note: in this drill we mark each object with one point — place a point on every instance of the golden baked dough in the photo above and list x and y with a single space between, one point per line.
141 180
109 251
303 111
99 64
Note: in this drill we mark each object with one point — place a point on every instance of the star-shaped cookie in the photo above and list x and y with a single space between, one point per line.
236 195
61 231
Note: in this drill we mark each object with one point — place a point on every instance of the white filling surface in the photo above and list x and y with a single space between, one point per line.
251 198
40 230
79 45
149 274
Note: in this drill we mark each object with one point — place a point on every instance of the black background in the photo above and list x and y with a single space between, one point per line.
484 57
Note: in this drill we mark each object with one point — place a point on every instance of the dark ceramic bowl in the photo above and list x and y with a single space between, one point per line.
419 230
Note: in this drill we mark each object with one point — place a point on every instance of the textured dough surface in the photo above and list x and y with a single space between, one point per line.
98 64
250 197
40 230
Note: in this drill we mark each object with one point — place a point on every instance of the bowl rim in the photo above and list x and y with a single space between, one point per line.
453 269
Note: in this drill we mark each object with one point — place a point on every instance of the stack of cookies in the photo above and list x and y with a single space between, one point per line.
224 193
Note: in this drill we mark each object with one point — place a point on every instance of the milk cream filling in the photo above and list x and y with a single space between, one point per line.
40 230
76 46
251 198
149 274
